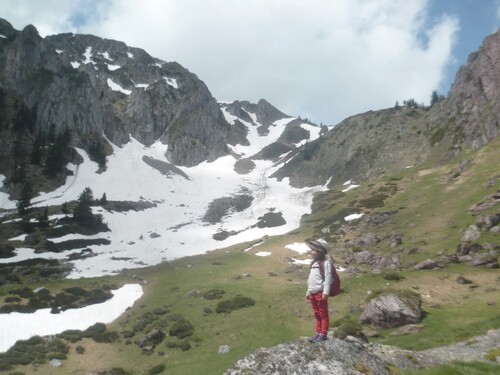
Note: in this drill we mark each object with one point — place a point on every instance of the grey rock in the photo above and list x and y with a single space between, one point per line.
364 257
429 264
392 310
55 363
152 339
472 234
468 248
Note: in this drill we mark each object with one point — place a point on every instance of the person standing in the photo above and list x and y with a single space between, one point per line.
318 287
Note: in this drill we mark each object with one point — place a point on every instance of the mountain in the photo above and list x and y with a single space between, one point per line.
181 173
173 174
97 87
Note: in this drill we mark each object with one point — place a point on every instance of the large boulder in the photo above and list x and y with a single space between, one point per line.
429 264
393 309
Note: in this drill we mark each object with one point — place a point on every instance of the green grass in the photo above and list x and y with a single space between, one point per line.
458 368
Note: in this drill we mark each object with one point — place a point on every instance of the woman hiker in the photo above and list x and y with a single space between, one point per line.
318 287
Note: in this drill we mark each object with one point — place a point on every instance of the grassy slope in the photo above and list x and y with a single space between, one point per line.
432 216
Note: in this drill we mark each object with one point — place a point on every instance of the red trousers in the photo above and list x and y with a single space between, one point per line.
320 309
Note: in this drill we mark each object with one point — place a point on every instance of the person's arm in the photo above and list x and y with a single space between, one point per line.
328 279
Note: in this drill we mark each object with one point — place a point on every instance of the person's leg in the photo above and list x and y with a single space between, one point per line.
324 316
316 310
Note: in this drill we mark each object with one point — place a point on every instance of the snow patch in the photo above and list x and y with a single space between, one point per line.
171 82
113 67
17 326
116 87
299 247
353 217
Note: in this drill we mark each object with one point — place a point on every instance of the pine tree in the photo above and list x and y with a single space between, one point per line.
65 209
43 218
103 200
24 202
83 211
434 98
56 158
36 150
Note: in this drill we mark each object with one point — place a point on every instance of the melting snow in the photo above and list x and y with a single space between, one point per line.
113 67
18 326
116 87
298 247
171 82
105 55
350 187
263 253
353 217
88 56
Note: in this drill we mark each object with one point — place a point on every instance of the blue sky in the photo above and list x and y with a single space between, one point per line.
477 19
319 59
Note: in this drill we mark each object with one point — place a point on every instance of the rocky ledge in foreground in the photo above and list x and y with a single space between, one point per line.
353 356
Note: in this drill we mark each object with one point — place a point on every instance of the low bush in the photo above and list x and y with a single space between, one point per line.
492 355
156 369
160 311
238 302
181 329
183 345
71 335
213 294
348 326
393 276
374 201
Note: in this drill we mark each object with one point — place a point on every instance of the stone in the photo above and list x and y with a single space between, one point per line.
152 339
428 264
393 309
55 363
472 234
223 349
364 257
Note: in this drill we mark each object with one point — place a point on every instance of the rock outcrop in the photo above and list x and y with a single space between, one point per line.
353 356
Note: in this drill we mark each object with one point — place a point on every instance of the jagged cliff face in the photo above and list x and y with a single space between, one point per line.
474 98
97 87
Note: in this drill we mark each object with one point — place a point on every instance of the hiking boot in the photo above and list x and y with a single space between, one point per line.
320 338
313 339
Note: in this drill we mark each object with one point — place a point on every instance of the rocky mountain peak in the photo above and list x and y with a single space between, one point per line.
97 87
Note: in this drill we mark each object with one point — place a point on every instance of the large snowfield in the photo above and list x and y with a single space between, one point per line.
172 229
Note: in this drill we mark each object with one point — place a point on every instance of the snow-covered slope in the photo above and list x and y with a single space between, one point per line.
174 227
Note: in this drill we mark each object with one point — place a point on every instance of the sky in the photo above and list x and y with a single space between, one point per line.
323 60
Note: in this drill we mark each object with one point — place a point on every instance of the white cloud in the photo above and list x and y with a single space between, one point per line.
324 60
